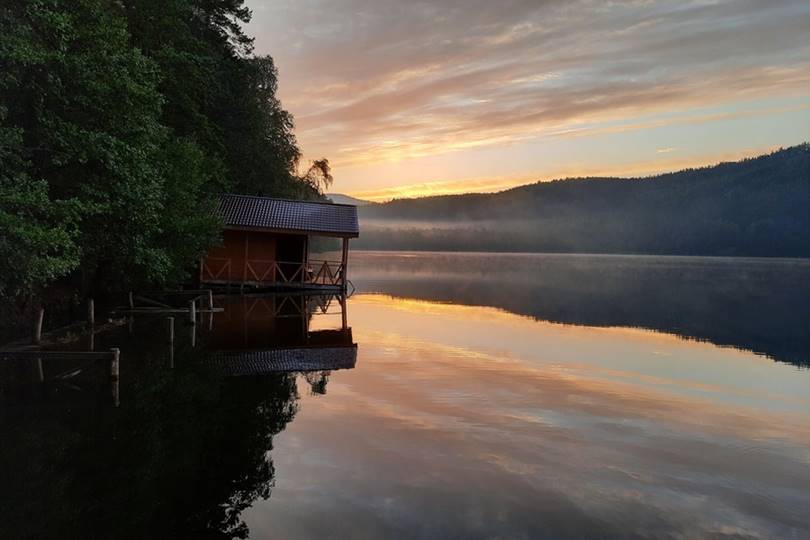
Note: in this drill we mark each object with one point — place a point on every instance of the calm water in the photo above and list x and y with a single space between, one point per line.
466 396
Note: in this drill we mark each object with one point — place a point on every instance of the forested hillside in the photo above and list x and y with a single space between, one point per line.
119 121
756 207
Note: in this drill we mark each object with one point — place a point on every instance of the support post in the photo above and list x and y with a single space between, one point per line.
192 312
38 325
91 314
344 316
345 263
170 326
210 299
115 365
131 301
40 371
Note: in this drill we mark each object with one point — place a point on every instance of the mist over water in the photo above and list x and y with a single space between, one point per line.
762 305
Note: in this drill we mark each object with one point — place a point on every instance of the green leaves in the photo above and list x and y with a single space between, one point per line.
119 122
37 242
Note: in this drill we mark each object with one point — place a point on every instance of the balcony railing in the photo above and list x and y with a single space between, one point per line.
265 271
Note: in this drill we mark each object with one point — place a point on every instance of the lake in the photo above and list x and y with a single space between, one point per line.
451 396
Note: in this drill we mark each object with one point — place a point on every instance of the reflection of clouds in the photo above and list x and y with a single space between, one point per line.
373 80
445 440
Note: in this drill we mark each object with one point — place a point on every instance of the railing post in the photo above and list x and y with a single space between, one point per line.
192 312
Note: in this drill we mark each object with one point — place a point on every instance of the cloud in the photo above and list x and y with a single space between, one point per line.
383 80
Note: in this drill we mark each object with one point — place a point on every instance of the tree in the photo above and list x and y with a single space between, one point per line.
83 123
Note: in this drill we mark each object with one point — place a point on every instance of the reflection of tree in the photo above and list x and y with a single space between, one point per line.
317 381
182 458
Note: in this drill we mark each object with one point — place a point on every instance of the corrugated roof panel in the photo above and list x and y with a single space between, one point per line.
303 216
283 360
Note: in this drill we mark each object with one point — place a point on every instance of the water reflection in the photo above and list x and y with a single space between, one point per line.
762 305
187 450
472 422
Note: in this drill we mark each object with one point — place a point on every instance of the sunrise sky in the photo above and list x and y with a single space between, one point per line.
410 98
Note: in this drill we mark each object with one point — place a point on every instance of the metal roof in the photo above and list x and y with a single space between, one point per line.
234 364
281 214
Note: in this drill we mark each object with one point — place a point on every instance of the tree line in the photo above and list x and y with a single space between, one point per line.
120 121
754 207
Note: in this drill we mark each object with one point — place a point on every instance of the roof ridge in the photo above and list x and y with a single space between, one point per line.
299 201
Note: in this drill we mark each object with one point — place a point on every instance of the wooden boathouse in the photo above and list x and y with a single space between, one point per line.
266 243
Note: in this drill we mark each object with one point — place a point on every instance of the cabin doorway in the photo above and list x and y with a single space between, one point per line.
291 254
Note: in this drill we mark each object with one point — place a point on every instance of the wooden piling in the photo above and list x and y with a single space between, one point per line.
170 327
91 313
115 365
38 325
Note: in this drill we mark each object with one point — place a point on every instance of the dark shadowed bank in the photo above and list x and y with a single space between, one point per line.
755 207
185 453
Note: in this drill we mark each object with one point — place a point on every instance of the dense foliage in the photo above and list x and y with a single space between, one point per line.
755 207
119 121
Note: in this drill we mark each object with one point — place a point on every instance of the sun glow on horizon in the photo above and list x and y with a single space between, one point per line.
496 184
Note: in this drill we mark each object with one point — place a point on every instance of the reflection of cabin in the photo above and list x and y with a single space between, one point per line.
271 333
266 243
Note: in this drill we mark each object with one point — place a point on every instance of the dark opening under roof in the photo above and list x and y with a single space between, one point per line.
284 215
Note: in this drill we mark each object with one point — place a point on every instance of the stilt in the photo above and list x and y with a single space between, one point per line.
343 315
344 264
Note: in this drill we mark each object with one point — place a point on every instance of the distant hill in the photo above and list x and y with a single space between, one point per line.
346 199
755 207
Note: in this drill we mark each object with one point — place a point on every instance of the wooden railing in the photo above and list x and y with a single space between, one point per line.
221 269
312 272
